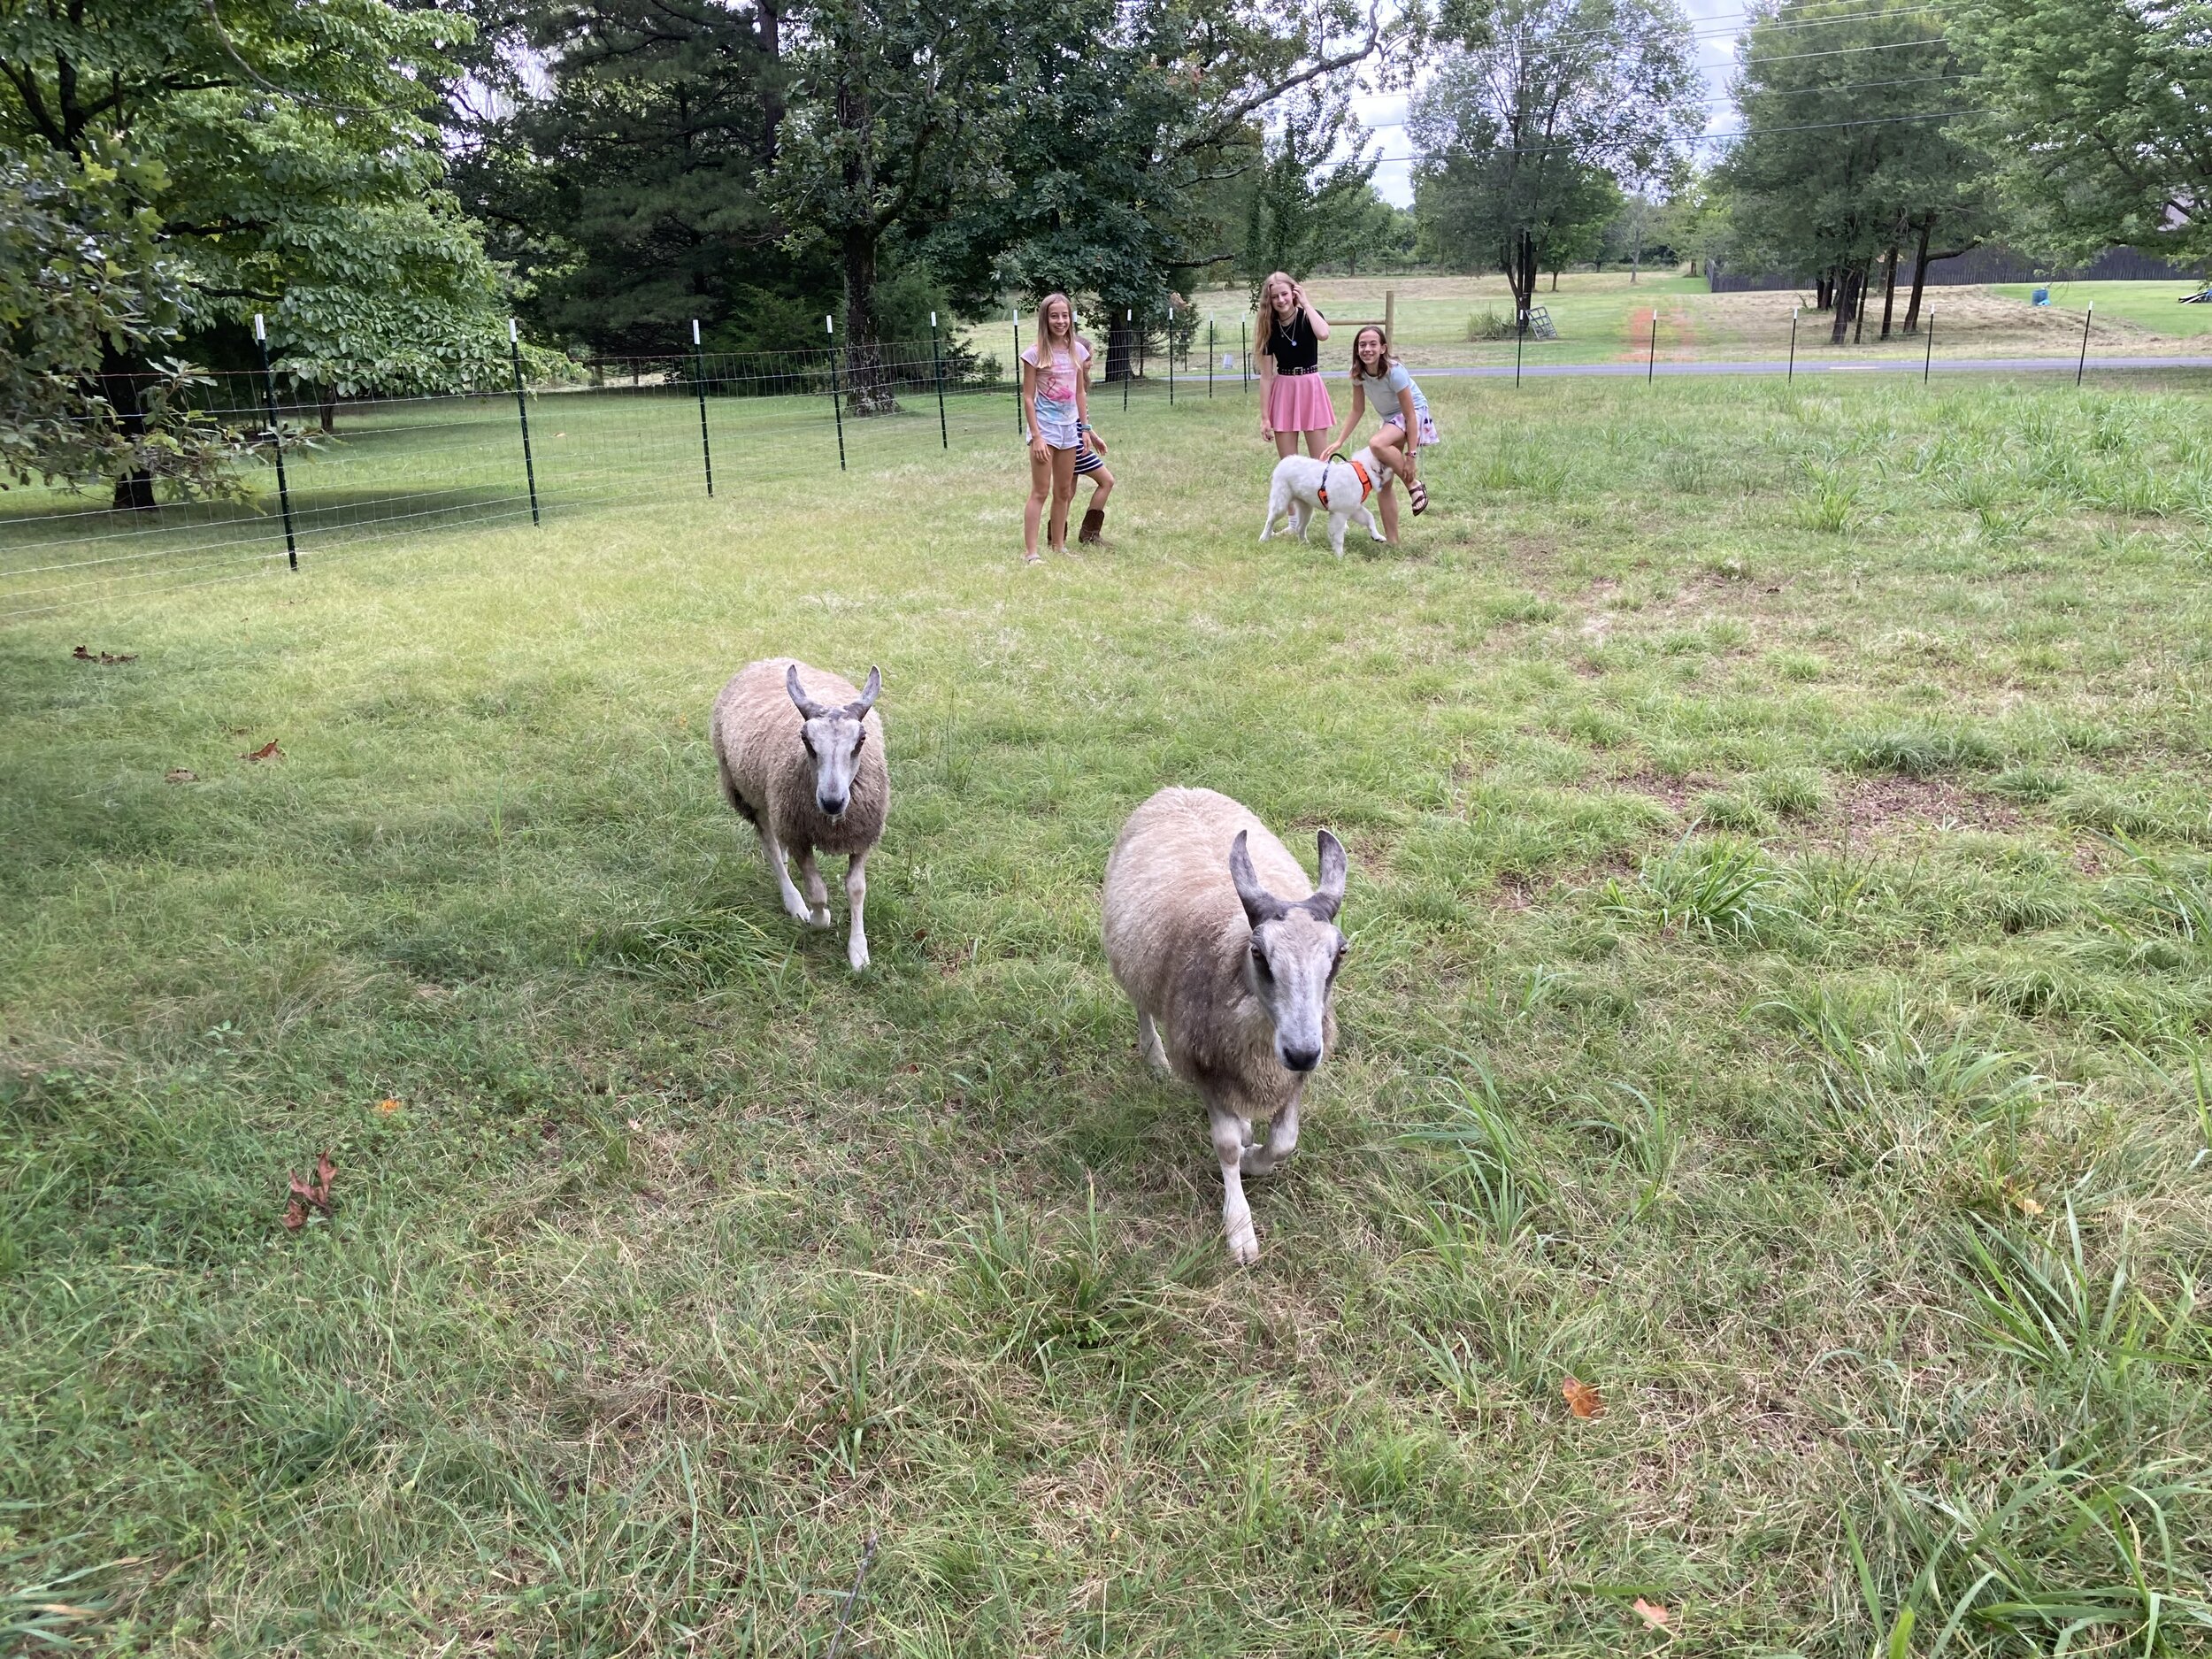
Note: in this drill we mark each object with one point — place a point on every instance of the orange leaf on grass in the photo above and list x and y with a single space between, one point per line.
1654 1617
387 1105
1582 1398
267 751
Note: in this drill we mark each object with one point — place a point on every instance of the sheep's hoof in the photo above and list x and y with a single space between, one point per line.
857 954
818 918
1244 1241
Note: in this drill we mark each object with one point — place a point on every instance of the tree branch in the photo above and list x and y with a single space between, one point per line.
1233 117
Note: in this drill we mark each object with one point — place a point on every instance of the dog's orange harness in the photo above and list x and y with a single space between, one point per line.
1366 484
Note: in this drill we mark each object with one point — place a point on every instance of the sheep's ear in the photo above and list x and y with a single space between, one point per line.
808 708
869 693
1329 896
1260 905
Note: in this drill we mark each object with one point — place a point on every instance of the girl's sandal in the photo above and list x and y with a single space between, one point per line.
1033 559
1419 496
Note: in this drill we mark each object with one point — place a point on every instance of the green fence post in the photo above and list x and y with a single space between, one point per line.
837 393
937 362
522 414
699 369
276 440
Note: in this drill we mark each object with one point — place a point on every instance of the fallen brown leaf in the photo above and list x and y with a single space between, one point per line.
179 774
307 1194
1582 1398
81 654
1654 1617
387 1105
267 751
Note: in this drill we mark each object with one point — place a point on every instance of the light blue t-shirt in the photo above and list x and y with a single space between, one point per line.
1397 380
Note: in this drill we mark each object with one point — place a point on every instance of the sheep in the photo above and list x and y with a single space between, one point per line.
808 777
1230 955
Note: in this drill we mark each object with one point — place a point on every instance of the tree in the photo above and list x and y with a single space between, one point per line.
82 272
896 113
1844 166
1540 110
1303 210
289 169
2103 112
624 183
1140 128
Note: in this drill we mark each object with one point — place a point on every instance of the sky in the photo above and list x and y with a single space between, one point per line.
1716 22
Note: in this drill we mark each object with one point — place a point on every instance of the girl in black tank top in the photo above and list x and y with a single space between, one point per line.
1292 399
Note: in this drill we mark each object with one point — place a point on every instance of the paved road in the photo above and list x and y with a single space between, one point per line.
1876 366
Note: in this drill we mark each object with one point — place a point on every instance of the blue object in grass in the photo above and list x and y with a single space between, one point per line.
2039 296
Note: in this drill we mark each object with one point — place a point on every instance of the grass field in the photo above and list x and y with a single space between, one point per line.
2152 305
1782 962
1602 316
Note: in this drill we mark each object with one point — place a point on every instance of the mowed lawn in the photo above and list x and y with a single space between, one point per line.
1782 948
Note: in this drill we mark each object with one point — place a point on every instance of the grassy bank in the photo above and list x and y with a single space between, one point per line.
1780 913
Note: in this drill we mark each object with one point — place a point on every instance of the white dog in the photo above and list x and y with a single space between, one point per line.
1303 486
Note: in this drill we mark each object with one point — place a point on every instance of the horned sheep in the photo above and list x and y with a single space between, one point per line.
810 776
1231 956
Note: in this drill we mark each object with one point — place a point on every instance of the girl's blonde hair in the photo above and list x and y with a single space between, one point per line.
1383 359
1044 331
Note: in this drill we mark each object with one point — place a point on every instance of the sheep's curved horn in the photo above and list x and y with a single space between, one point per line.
808 708
1260 905
1329 896
869 693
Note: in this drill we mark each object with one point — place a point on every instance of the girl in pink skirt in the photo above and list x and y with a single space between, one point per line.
1292 400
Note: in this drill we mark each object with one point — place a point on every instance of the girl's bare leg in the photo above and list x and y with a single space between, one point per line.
1387 503
1389 447
1286 444
1318 442
1040 487
1105 479
1062 494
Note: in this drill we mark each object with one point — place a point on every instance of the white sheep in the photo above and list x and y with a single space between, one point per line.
809 776
1230 955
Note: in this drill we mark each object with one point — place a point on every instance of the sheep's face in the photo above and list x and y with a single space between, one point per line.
1291 969
833 737
1296 952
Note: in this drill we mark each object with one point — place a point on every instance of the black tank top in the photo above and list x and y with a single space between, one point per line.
1291 344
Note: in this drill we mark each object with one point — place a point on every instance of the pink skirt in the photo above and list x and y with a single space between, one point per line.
1299 403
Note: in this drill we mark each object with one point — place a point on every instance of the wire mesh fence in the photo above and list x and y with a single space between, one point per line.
360 472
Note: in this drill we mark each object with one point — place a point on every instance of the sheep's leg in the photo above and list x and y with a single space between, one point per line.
1337 522
817 891
857 901
1150 1049
1300 519
1282 1137
1374 531
769 845
1230 1130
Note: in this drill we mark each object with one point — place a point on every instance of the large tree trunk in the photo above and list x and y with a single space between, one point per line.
1121 345
328 404
868 389
1889 288
1919 276
1847 284
1824 290
1858 300
119 382
1519 264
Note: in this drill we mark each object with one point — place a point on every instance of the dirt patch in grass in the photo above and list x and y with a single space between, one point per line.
1873 805
1679 792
